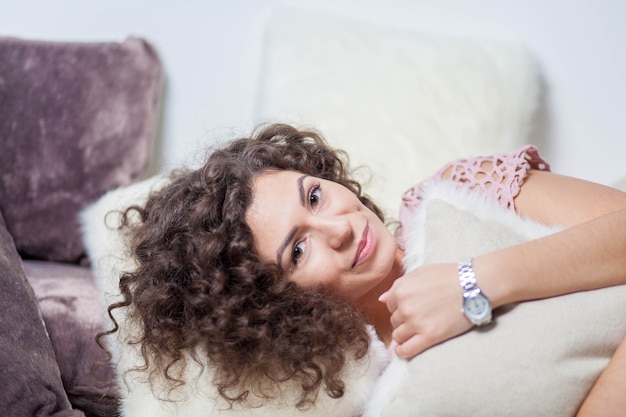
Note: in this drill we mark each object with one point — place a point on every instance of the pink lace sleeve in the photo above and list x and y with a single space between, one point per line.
499 176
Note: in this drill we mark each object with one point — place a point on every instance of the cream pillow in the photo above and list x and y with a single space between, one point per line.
401 103
538 358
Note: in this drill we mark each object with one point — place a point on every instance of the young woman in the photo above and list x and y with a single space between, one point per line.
271 260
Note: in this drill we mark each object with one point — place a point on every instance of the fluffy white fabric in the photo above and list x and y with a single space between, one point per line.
538 358
401 103
198 397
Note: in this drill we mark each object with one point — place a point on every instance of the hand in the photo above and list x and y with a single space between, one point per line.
425 306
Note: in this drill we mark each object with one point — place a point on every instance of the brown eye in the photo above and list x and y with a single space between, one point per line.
315 195
297 252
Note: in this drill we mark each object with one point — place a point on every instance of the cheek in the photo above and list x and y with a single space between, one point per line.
319 274
346 285
321 277
352 286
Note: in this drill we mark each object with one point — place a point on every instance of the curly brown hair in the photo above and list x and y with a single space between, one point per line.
199 284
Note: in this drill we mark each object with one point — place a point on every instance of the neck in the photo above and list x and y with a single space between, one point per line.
376 311
379 317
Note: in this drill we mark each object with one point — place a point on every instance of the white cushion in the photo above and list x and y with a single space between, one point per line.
401 103
538 358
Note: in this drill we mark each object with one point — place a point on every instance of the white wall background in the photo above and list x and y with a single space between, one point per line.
211 51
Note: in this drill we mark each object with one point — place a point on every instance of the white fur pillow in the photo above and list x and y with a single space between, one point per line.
401 103
198 397
539 358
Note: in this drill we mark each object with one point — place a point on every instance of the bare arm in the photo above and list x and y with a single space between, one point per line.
601 246
607 397
588 254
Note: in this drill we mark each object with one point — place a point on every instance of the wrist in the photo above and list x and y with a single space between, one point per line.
501 289
476 304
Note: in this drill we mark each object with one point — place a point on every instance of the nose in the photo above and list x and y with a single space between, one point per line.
336 230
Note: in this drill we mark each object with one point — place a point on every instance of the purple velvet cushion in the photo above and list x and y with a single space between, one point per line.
70 303
30 380
76 119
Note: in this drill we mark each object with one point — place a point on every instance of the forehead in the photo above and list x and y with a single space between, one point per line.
275 200
273 191
276 176
275 185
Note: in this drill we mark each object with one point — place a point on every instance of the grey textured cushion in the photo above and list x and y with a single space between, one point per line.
29 376
70 304
77 120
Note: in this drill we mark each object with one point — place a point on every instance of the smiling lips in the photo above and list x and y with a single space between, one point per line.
366 246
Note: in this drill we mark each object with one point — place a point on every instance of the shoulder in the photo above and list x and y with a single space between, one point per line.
500 176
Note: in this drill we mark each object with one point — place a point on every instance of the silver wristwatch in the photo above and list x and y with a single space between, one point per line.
476 305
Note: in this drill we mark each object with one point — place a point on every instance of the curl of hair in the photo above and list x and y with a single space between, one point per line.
201 287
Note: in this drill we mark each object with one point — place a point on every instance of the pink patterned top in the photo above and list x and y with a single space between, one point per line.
499 176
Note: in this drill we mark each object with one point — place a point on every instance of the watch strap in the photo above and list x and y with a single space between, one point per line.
467 277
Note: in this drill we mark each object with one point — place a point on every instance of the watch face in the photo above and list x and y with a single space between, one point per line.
476 306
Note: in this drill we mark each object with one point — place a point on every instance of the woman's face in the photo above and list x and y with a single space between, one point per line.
322 235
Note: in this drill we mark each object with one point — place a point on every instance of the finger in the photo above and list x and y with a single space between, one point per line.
397 319
413 346
390 300
402 334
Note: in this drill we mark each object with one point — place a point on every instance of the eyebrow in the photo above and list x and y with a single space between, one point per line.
301 188
292 232
283 246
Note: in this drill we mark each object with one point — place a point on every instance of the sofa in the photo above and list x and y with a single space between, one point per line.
76 120
79 121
